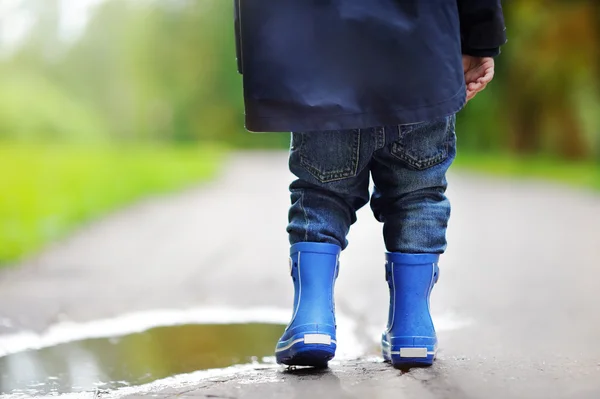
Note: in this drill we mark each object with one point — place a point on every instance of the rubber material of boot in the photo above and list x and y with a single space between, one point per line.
410 339
310 339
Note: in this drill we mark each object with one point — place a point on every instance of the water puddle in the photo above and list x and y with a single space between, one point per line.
135 359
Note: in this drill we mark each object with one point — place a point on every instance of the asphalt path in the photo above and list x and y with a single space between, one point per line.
517 305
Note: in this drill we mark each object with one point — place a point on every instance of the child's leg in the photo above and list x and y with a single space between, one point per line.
332 184
410 185
409 198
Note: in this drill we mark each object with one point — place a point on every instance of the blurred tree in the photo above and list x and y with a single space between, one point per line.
34 109
42 46
551 78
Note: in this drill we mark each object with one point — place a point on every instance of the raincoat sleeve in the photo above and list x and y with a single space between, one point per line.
482 27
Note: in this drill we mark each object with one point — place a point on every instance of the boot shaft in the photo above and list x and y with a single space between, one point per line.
411 278
310 338
314 269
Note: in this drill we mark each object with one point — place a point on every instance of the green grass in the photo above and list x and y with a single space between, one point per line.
574 174
45 192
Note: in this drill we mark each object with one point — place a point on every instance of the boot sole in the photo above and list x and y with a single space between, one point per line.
408 357
313 350
310 357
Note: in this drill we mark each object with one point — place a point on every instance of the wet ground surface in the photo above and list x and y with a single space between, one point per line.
516 306
106 364
449 378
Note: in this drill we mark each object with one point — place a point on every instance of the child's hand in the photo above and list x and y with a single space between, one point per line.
479 71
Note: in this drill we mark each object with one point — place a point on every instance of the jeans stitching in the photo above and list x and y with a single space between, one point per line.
337 174
400 153
356 152
306 221
381 138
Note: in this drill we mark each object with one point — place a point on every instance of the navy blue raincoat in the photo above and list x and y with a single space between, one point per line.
312 65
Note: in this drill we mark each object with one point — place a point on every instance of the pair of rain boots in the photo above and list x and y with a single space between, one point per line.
310 338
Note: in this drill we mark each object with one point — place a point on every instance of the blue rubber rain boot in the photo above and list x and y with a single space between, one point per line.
309 339
410 339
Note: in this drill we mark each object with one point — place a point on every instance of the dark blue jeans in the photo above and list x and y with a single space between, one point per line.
408 165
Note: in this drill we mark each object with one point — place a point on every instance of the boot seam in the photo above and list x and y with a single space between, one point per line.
393 294
299 291
332 301
431 283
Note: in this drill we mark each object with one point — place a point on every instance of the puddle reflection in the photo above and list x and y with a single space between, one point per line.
135 359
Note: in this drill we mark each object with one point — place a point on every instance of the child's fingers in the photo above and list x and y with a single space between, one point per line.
478 78
472 76
470 94
481 87
474 87
487 77
482 74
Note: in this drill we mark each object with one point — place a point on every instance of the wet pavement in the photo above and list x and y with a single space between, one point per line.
516 306
368 378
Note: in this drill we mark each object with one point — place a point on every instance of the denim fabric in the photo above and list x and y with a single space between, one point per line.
408 165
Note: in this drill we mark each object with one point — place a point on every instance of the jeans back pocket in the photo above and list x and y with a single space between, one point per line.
329 155
424 145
